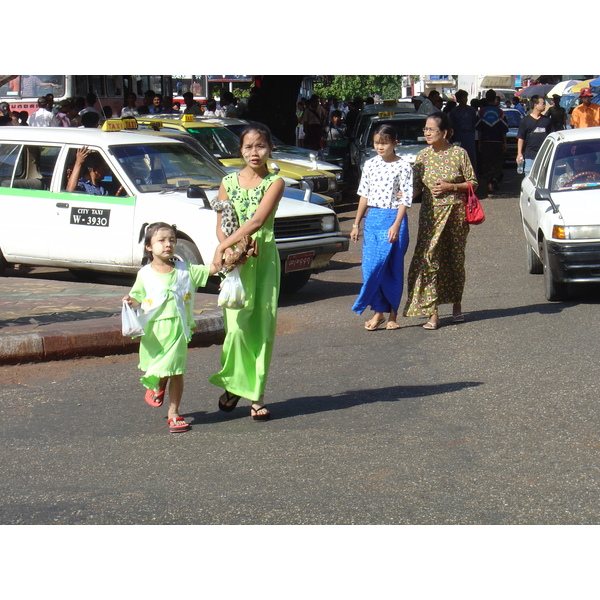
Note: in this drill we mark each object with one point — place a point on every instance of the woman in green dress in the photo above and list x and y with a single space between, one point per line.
442 173
250 331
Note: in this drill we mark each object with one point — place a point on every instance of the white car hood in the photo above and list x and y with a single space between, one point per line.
578 207
304 162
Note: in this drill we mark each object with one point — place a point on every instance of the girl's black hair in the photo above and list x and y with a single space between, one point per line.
388 131
259 128
150 232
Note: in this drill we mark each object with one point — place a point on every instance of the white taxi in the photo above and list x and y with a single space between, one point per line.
144 179
560 210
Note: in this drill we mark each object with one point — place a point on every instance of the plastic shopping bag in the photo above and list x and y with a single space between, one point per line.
130 323
232 294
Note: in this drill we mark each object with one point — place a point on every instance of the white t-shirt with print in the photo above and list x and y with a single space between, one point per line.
381 181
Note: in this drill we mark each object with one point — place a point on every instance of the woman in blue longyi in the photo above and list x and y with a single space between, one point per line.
385 192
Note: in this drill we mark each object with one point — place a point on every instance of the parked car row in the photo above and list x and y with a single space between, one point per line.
147 177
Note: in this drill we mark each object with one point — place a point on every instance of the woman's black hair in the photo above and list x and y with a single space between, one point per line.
388 131
150 232
443 121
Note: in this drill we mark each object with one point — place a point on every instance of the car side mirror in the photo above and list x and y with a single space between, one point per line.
543 195
195 191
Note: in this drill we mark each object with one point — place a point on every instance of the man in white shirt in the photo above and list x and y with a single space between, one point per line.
42 117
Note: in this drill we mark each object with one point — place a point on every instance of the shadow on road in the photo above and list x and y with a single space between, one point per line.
295 407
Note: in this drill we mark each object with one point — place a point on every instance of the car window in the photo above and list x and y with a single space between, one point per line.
109 185
29 167
157 167
541 159
513 118
409 131
9 156
576 165
219 140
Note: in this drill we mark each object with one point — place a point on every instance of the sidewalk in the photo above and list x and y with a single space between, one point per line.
46 314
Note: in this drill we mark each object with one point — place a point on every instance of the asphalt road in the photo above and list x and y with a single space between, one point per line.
494 421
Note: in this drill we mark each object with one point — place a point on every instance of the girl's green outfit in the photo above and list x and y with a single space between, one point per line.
167 301
250 331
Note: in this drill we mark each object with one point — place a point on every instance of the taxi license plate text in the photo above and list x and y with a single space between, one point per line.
94 217
298 262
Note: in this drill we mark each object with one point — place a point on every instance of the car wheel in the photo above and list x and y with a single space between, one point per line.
2 263
188 252
534 264
293 282
555 290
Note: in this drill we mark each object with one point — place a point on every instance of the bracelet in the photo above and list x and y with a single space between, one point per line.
354 225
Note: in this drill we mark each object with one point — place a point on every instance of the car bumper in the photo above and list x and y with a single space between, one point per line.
574 263
310 254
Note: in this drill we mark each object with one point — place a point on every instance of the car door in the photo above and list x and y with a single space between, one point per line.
26 202
532 209
93 229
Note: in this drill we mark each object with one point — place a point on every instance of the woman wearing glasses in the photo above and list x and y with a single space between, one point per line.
441 174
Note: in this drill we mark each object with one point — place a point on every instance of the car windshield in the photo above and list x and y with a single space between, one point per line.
513 118
218 140
576 166
163 167
409 131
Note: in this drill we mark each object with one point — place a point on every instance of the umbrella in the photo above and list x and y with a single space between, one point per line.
541 89
562 87
577 88
595 82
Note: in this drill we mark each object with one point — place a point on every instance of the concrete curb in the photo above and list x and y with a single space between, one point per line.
94 337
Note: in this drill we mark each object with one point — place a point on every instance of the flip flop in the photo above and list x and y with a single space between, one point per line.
177 425
392 325
154 398
458 318
254 413
431 326
369 326
228 401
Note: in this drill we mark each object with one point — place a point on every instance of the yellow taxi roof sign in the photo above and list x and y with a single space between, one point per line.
129 123
112 125
386 114
187 117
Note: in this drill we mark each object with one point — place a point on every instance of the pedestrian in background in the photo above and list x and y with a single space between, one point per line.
557 114
42 117
254 193
386 191
463 120
587 114
533 130
442 173
492 129
164 288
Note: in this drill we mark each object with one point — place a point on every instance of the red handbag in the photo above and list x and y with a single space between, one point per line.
474 210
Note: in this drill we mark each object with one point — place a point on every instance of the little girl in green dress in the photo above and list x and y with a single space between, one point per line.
164 288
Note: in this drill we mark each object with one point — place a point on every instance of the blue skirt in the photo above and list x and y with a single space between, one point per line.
383 263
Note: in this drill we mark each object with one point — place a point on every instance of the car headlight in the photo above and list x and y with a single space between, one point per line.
579 232
339 175
332 184
328 223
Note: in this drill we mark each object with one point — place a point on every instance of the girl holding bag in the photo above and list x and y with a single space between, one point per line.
164 288
442 174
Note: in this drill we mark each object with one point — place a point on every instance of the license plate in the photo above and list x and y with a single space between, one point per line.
298 262
92 217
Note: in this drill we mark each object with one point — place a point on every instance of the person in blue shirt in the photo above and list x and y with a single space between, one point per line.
517 104
96 170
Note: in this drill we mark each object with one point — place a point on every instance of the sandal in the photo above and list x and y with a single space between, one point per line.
430 325
392 325
228 401
460 318
370 326
177 425
256 414
154 398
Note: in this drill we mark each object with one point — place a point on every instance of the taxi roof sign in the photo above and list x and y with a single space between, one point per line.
187 117
386 114
119 124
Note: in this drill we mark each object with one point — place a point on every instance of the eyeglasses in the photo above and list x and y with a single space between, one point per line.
430 130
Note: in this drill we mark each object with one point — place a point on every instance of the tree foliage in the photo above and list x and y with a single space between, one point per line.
346 87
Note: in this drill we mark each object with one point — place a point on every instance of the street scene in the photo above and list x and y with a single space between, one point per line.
421 369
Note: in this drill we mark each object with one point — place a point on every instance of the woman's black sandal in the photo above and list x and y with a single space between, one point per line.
228 401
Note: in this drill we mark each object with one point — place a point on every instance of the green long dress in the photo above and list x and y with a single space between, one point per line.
250 331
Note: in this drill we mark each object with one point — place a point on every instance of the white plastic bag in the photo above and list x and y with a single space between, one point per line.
130 323
232 294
